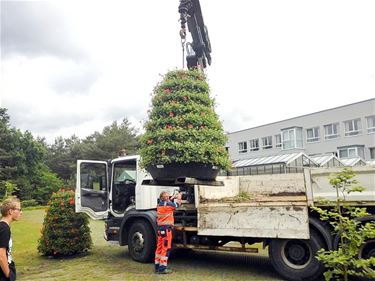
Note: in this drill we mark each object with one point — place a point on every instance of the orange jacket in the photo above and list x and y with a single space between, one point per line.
165 213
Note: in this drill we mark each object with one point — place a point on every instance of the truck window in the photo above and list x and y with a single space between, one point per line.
93 176
124 182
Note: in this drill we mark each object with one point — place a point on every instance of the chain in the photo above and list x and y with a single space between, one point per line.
183 40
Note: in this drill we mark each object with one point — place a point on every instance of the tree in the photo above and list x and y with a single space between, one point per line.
22 163
113 138
346 221
64 232
7 158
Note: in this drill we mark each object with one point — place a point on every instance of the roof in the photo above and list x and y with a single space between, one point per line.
353 162
273 159
322 159
337 107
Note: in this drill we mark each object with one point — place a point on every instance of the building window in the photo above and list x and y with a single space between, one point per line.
371 124
292 138
372 153
353 127
242 147
312 134
254 144
278 142
267 142
351 152
331 131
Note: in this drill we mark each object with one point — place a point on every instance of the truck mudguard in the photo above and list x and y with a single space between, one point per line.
130 217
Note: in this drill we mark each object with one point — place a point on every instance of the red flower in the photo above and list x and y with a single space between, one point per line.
62 189
171 114
190 126
150 141
185 98
71 202
167 91
169 126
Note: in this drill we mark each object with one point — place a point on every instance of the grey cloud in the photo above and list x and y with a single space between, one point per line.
71 83
35 29
27 118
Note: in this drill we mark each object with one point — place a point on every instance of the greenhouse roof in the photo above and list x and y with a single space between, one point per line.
273 159
322 159
353 162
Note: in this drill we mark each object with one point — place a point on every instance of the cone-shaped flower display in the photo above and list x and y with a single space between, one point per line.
183 129
64 232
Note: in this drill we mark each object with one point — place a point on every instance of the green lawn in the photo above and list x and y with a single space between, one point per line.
111 262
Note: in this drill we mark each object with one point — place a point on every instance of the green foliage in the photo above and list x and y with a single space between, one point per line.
45 183
8 189
64 232
183 126
36 168
64 153
29 203
346 221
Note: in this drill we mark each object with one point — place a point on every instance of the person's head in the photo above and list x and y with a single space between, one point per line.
164 196
122 152
11 207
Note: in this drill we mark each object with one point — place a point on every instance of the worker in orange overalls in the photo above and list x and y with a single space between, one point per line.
165 221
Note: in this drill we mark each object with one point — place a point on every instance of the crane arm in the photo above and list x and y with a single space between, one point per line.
199 51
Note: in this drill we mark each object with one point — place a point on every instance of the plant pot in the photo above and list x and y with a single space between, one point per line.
172 171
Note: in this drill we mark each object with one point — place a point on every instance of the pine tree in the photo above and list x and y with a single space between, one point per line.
64 232
183 126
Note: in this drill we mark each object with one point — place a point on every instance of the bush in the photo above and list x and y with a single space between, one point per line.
354 234
183 126
29 203
64 232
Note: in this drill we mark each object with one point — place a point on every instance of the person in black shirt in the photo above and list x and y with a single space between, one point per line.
10 211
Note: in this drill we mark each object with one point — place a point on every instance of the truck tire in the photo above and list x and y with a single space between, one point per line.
141 242
294 259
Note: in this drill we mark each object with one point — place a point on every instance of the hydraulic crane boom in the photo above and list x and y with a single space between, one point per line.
199 51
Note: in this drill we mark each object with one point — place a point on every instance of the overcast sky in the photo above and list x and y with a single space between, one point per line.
73 67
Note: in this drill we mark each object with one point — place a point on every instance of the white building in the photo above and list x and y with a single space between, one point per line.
346 132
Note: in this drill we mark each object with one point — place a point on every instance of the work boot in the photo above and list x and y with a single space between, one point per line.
165 271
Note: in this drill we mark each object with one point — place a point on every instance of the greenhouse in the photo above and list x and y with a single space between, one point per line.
327 160
351 162
275 164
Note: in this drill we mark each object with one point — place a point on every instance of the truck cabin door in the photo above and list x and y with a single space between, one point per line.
92 188
124 181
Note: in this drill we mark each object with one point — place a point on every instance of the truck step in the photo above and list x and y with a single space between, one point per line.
185 228
216 248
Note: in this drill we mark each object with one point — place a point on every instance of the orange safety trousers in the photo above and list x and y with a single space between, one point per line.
164 244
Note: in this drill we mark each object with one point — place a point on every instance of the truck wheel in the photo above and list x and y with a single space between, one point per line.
295 260
141 242
367 251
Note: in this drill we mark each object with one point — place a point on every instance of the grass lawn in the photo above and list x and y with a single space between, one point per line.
112 262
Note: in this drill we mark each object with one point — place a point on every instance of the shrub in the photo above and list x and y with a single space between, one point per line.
29 203
346 220
183 126
64 232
